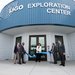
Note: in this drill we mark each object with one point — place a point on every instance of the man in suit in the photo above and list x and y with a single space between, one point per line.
62 53
16 53
54 50
23 52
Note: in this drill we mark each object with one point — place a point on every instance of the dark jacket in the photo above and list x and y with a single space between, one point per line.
54 49
21 50
61 49
15 49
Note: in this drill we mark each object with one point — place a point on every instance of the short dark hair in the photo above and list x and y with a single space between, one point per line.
23 43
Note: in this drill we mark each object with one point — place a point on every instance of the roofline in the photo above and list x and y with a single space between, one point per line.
18 26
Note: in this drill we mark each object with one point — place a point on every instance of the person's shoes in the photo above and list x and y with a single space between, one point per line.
55 63
60 64
24 62
19 63
35 61
14 63
63 65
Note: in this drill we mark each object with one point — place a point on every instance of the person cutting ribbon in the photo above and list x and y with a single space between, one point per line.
38 50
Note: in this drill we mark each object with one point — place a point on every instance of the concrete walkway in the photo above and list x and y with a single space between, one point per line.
33 68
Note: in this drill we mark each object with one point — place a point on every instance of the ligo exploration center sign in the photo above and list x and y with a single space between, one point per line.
33 12
52 8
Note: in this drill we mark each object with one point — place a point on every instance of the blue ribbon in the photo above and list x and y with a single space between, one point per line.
31 56
34 56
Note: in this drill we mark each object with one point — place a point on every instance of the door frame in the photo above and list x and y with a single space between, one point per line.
18 41
37 42
59 38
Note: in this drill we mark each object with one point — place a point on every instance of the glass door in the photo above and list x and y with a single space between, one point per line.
42 41
59 38
32 45
18 39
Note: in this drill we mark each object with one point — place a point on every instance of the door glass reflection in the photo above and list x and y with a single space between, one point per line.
33 45
42 42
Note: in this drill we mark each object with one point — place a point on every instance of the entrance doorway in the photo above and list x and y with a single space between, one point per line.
33 41
18 39
59 38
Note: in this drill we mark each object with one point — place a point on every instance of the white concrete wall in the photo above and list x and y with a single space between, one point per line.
6 43
25 39
71 44
50 38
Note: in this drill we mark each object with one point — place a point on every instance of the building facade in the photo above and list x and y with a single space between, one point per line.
32 22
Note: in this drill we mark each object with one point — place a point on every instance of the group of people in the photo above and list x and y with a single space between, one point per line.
19 52
58 49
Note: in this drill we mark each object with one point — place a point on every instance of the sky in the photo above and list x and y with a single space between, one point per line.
3 3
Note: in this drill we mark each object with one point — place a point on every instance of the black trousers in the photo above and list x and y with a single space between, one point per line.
21 58
38 57
62 59
55 57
